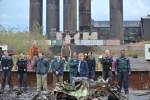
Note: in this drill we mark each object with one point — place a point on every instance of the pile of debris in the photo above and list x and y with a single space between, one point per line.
86 89
81 89
31 94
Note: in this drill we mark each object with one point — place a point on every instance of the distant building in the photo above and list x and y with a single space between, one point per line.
132 30
145 24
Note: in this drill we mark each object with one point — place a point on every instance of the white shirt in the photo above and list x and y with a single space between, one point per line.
79 66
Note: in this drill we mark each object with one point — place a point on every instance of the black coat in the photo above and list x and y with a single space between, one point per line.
107 63
91 64
22 65
7 63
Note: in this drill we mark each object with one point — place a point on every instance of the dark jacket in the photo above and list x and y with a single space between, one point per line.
84 70
42 66
1 54
73 65
91 64
57 66
6 63
107 63
22 65
123 64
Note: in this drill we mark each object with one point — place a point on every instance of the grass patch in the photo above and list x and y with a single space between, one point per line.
20 41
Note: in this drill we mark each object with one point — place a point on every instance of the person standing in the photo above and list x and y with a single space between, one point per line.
83 70
7 64
106 62
42 68
22 63
1 54
123 70
66 51
57 66
33 54
73 65
92 65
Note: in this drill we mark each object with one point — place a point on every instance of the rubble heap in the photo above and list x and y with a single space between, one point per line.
86 89
81 89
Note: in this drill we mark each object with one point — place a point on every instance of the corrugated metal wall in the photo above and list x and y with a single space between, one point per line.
137 80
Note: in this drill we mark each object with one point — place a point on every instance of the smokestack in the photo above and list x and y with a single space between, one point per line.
52 18
70 15
85 15
116 20
35 16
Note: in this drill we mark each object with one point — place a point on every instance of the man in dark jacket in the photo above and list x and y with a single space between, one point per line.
1 54
106 62
83 69
22 71
73 65
92 65
42 68
7 64
57 66
123 70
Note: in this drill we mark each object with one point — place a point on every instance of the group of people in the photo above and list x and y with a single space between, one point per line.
79 66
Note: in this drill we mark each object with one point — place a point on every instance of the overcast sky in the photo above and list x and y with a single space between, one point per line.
15 13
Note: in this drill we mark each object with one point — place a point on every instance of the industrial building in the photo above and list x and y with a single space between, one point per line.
131 30
52 18
114 29
145 24
84 15
70 16
35 16
116 20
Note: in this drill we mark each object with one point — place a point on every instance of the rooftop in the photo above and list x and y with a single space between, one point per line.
107 23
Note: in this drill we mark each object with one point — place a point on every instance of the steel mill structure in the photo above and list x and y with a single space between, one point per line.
36 15
70 17
85 15
52 18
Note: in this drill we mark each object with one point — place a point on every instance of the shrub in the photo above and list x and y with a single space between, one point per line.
21 41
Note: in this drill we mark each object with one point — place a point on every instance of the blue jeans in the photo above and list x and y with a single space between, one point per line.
23 80
123 80
6 74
